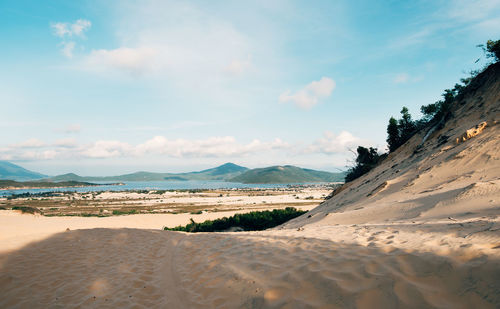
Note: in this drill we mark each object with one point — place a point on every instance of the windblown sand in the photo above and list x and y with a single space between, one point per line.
422 230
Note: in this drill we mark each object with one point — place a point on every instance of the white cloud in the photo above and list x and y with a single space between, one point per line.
133 60
331 143
77 28
175 40
161 147
210 147
70 30
67 49
310 94
80 26
106 149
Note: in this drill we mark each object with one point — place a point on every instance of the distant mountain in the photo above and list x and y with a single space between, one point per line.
286 174
223 172
15 172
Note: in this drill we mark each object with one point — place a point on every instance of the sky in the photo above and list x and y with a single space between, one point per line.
112 87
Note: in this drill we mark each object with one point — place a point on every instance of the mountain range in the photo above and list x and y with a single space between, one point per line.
226 172
15 172
286 174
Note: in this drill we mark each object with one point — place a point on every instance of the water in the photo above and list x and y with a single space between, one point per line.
151 185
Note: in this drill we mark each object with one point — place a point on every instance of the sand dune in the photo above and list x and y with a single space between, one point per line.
148 268
422 230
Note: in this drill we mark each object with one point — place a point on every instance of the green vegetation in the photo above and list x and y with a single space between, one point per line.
26 209
492 49
399 131
39 194
366 159
124 212
286 174
252 221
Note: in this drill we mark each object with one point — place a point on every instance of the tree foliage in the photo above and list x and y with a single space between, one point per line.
252 221
399 131
367 158
492 49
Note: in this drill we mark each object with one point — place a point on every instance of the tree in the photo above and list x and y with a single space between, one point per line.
393 138
366 159
492 49
399 131
406 126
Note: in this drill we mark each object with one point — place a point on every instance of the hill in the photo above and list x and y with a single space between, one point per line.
222 173
12 171
286 174
439 173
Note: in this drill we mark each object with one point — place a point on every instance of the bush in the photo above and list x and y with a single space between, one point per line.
121 212
252 221
27 209
367 159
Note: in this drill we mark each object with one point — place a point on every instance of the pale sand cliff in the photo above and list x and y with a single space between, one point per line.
422 230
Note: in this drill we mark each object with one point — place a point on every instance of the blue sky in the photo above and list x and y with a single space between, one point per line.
109 87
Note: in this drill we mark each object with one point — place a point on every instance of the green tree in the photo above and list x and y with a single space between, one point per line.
492 49
393 138
366 159
406 125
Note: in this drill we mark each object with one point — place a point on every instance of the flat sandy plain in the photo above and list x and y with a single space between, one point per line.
152 209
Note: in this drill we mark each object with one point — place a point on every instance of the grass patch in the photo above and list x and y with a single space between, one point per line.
126 212
252 221
27 209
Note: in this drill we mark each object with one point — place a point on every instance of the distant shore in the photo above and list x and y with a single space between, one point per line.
28 185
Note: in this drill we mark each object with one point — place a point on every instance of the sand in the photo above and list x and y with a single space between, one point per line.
422 230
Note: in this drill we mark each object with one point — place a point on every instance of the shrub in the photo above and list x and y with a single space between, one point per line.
252 221
121 212
366 159
27 209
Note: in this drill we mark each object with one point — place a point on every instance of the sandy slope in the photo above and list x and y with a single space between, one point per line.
421 230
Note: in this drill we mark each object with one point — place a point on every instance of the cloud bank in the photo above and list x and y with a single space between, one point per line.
310 95
212 147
